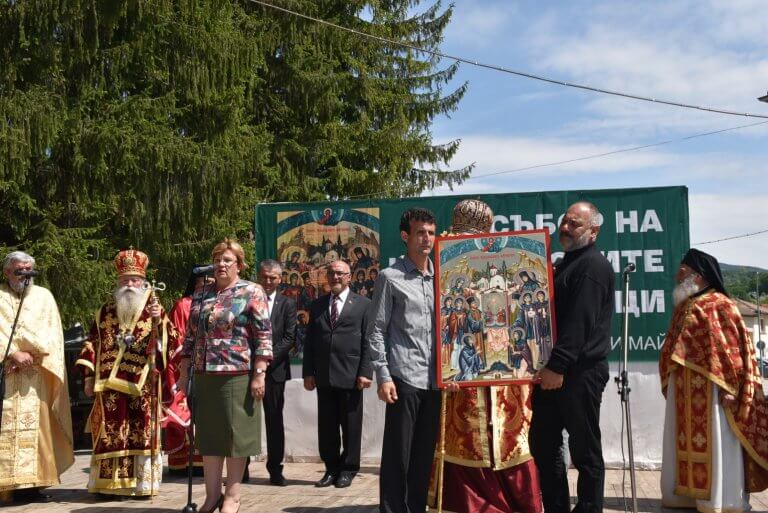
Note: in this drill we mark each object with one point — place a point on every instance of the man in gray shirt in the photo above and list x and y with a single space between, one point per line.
401 333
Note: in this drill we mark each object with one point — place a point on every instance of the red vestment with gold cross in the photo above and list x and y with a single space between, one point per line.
708 343
488 462
120 421
175 427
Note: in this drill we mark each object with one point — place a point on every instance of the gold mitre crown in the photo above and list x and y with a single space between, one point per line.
131 262
472 216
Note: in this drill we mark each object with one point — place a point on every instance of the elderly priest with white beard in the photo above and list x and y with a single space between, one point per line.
36 433
116 365
715 448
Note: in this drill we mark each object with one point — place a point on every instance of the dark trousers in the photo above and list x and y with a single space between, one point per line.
576 408
340 409
410 434
274 400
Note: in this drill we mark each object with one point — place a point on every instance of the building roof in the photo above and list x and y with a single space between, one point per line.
747 309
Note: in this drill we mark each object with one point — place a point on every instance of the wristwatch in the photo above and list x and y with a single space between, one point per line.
259 370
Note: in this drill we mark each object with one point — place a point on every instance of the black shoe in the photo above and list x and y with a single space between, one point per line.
327 480
216 506
246 475
277 480
344 480
108 497
26 495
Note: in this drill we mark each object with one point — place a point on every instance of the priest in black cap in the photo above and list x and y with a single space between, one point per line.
716 421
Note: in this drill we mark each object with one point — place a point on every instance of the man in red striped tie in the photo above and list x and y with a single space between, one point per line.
337 364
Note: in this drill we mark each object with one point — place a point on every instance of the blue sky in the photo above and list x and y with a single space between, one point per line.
709 53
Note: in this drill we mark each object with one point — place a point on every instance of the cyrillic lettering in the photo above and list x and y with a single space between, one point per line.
652 261
542 221
622 221
652 301
651 222
518 224
502 220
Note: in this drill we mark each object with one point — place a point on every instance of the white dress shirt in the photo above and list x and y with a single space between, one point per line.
341 298
271 301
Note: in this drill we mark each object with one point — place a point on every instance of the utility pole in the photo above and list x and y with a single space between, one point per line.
760 344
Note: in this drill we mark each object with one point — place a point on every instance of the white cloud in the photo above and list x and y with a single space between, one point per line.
717 216
493 154
712 53
497 153
737 22
638 50
476 25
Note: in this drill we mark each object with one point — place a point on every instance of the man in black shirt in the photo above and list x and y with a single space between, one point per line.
572 383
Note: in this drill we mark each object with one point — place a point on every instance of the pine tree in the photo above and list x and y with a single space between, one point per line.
160 124
350 115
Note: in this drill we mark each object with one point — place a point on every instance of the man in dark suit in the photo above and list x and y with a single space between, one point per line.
282 314
337 363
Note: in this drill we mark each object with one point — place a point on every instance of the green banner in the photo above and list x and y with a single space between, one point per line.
647 227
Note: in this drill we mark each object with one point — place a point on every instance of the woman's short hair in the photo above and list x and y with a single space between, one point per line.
234 247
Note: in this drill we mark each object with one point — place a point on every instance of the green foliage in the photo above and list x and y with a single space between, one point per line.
744 282
161 124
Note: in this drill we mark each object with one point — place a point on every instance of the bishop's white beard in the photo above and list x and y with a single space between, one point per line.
18 286
129 302
685 289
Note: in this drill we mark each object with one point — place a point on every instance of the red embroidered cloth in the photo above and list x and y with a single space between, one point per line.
120 421
486 435
176 413
707 339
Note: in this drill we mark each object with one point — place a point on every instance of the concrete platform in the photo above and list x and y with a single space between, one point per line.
300 496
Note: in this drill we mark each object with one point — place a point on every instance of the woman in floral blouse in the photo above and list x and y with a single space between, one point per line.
229 340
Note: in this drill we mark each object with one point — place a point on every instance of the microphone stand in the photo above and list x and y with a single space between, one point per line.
8 347
191 507
623 382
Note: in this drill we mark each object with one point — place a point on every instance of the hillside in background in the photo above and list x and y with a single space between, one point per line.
741 281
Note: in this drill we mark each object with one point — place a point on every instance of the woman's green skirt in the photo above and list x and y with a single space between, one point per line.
227 418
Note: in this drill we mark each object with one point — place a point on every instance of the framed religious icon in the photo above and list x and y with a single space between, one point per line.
308 240
495 307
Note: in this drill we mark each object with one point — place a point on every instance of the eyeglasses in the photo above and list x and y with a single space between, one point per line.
337 273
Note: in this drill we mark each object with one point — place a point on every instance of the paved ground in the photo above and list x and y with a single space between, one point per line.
300 496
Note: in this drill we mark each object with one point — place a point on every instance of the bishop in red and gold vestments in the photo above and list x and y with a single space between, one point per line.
716 427
488 464
115 360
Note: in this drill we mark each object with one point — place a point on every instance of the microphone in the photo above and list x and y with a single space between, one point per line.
26 273
203 269
630 268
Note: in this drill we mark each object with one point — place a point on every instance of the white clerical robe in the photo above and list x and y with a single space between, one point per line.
36 434
727 493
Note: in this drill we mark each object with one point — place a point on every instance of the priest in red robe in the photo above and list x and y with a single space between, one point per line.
715 448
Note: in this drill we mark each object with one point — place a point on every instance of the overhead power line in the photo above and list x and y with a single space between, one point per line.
507 70
731 238
588 157
614 152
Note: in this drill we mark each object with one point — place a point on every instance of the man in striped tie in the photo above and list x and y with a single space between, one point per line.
337 364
